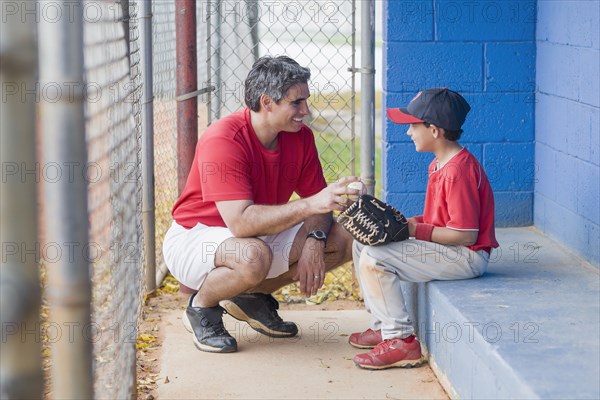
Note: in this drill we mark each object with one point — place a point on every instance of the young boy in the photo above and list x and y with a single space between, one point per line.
452 239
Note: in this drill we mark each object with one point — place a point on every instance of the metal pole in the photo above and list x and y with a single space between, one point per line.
63 124
209 97
355 286
148 218
218 62
20 349
367 105
353 71
187 82
252 10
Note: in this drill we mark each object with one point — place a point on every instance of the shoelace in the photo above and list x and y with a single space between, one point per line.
273 306
216 328
384 346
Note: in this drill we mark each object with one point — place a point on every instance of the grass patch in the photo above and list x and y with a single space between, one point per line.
341 157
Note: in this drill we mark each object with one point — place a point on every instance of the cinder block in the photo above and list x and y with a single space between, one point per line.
551 121
539 210
408 20
595 138
486 20
410 67
409 204
567 126
545 171
405 170
587 190
578 234
569 22
500 117
573 231
566 178
513 209
591 252
475 149
510 66
558 70
589 80
578 120
393 132
510 166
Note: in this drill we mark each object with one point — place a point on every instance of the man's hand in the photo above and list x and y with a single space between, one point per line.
332 197
311 267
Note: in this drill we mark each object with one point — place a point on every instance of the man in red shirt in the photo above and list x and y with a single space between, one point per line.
236 238
452 239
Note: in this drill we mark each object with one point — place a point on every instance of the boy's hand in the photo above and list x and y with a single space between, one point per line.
412 226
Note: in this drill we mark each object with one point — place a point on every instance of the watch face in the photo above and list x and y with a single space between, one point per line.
319 235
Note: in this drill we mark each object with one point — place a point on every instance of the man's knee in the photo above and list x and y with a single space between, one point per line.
255 261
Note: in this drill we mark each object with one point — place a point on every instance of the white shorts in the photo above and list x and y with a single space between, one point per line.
190 253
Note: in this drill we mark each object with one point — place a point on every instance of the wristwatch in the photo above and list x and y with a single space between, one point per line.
317 234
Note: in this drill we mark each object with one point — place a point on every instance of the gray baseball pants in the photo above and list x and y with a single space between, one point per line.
381 269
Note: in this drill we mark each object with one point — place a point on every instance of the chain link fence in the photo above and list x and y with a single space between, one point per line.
319 35
165 121
230 36
111 58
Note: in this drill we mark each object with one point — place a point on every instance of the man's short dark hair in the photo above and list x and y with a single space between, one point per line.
448 134
272 76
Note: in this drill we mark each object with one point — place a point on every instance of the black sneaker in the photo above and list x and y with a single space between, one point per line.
207 326
260 312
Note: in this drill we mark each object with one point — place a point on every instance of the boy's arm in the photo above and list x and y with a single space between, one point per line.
438 234
454 236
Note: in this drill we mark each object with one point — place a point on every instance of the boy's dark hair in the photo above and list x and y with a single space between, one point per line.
448 134
272 76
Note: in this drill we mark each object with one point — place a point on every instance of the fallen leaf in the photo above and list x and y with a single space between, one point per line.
144 337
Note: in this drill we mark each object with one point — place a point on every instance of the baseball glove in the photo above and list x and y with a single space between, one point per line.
373 222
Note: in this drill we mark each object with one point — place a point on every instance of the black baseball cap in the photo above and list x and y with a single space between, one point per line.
441 107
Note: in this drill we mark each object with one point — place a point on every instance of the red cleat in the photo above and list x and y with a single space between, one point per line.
365 340
392 353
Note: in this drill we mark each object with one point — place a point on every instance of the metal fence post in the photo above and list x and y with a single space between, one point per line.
187 82
64 148
253 12
367 103
148 220
20 350
216 43
187 85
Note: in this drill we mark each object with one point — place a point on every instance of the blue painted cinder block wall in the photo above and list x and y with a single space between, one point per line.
486 50
567 149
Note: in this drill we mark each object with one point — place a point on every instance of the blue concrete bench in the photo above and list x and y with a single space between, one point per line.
529 328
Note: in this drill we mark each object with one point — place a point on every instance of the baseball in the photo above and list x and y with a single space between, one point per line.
357 186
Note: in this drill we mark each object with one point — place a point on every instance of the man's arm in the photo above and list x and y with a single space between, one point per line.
246 219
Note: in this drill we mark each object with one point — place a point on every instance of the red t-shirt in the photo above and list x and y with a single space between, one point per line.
459 196
231 164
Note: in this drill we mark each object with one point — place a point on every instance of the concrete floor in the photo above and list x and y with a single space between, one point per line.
315 365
